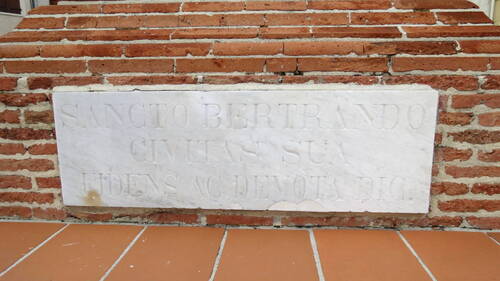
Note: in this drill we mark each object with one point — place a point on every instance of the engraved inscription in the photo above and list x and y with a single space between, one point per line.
317 150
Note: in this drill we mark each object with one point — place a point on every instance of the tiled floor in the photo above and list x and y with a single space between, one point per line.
54 251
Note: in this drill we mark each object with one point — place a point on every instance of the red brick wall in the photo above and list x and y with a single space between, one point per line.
445 44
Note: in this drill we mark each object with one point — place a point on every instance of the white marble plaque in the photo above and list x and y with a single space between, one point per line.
337 150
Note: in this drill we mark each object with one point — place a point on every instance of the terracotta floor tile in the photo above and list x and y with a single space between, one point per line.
79 252
453 256
170 253
495 235
18 238
267 255
366 255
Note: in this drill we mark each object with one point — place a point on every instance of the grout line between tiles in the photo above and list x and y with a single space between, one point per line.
416 256
317 259
123 254
33 250
219 256
494 240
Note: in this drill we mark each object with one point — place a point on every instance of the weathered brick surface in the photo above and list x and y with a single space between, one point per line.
238 220
431 4
450 46
53 182
486 188
449 188
15 182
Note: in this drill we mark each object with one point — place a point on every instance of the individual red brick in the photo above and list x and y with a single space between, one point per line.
36 23
222 20
19 51
484 223
11 148
49 213
289 19
120 22
15 182
212 6
26 134
307 19
343 64
276 5
443 82
167 218
22 99
316 221
476 136
356 32
393 18
490 119
449 188
44 36
455 118
169 49
42 149
161 21
141 65
92 216
486 188
247 48
451 31
468 205
323 48
236 79
215 33
53 182
492 82
349 5
435 170
284 32
34 117
281 65
9 116
7 83
125 35
238 220
432 4
413 48
220 65
29 197
469 101
45 66
442 221
489 156
15 211
442 103
68 51
441 63
438 138
81 22
66 9
480 46
451 154
150 80
26 164
473 171
141 8
344 79
463 17
51 82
